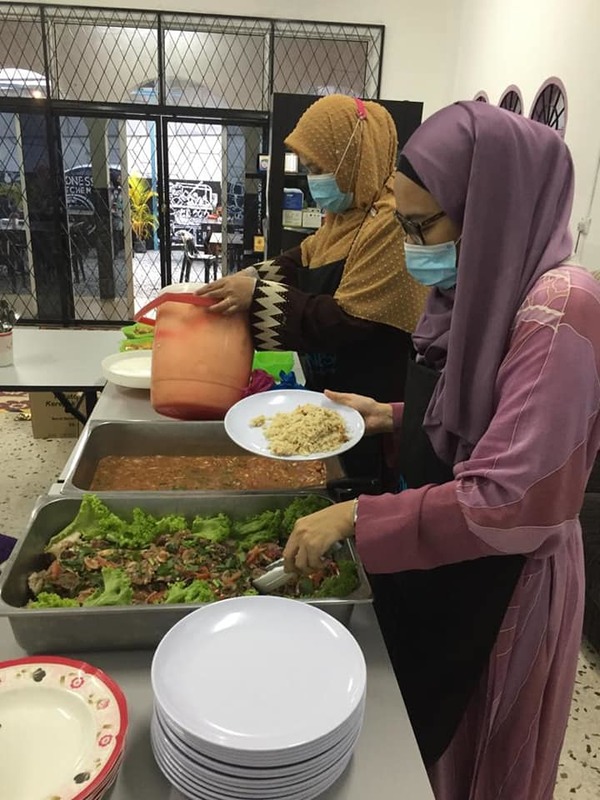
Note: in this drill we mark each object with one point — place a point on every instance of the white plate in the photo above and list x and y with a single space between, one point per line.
62 728
251 790
239 416
252 786
190 788
131 369
246 763
266 775
257 674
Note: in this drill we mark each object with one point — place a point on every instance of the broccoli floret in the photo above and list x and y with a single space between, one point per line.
93 521
175 593
215 529
195 592
117 590
199 592
340 585
301 507
51 600
258 529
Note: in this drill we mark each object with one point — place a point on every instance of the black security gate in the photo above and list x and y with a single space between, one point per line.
128 139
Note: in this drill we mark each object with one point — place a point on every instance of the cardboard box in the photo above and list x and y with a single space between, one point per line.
49 420
292 219
293 199
311 218
290 163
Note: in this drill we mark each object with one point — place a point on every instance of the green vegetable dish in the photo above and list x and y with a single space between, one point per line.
100 559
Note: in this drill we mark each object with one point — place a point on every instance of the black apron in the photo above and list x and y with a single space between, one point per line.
365 367
440 625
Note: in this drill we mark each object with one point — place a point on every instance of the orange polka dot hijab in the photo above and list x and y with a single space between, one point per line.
358 142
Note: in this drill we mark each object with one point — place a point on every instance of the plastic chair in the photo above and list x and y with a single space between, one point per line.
191 255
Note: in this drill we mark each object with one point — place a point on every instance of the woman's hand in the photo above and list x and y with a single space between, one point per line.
233 293
314 535
377 416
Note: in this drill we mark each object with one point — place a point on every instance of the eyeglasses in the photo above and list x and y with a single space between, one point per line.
414 230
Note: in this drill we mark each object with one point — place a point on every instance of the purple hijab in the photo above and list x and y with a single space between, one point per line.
508 182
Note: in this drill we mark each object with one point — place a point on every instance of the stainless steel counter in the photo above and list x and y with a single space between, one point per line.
118 404
387 763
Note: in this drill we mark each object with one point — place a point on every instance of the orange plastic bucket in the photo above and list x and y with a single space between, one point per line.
201 362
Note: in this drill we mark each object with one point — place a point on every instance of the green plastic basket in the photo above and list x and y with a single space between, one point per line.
274 362
137 343
138 330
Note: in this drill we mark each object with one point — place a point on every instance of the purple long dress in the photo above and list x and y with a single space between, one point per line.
519 491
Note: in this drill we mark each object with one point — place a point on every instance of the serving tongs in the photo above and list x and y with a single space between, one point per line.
275 576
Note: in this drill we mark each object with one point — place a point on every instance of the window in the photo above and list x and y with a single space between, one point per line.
550 105
511 100
22 83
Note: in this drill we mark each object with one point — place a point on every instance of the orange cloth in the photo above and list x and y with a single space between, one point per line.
375 284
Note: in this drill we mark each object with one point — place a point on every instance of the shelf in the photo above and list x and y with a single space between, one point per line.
294 229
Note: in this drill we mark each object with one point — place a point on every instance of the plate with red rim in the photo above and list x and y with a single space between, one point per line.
62 728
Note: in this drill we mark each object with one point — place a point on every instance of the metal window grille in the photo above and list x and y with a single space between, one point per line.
512 101
96 101
550 106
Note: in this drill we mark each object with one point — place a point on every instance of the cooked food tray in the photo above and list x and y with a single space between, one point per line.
126 627
182 456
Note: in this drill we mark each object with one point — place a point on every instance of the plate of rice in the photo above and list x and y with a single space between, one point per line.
293 424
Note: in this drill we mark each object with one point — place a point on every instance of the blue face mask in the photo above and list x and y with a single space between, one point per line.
327 194
432 264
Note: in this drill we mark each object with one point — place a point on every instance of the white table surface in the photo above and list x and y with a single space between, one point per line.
58 360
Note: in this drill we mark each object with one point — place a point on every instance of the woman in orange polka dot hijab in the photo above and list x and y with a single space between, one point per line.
343 299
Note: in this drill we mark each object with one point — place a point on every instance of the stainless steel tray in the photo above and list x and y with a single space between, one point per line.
176 438
128 627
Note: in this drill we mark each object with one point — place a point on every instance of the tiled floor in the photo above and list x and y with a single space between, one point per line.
31 465
143 282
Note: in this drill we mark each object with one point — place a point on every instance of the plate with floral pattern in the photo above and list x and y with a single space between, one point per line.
62 728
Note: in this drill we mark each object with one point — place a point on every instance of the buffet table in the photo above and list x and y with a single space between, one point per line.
60 361
386 763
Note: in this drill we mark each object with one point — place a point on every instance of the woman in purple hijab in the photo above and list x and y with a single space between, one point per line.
477 566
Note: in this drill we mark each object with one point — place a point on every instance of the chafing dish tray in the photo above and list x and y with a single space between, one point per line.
127 627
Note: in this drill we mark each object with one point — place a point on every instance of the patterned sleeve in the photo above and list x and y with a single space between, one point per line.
284 318
283 269
522 488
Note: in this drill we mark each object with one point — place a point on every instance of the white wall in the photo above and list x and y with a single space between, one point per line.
420 39
524 42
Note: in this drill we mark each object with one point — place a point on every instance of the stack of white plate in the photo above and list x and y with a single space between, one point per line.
257 698
62 729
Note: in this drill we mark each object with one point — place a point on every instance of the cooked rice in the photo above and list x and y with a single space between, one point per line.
306 430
